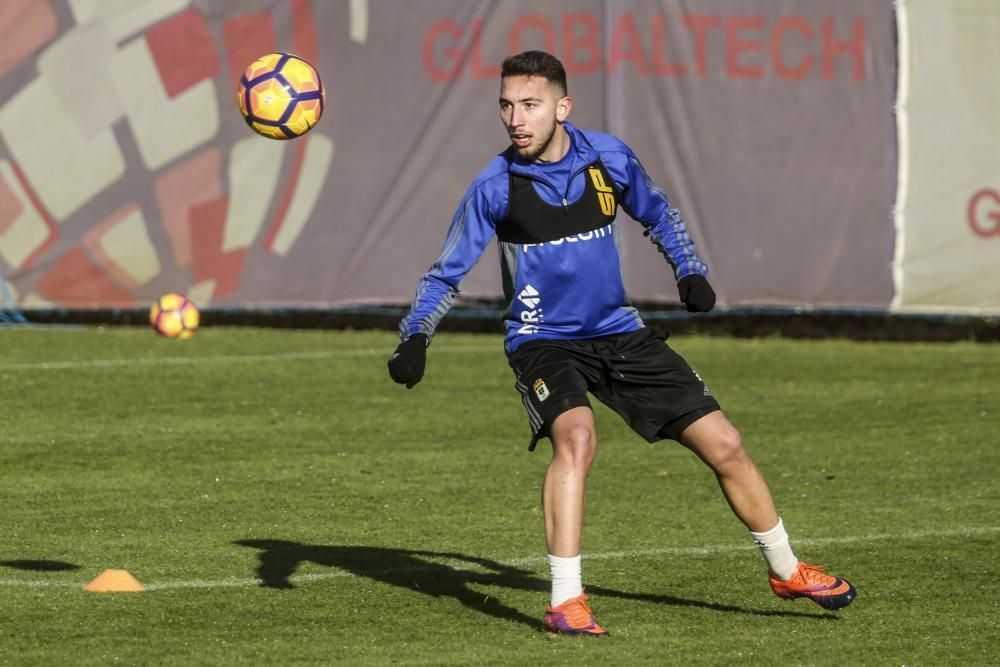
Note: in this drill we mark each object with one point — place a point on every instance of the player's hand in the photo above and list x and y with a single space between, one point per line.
696 293
406 365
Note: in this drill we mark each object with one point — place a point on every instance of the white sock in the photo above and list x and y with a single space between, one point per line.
776 551
566 578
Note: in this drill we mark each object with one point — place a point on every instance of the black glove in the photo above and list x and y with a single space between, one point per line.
406 365
696 293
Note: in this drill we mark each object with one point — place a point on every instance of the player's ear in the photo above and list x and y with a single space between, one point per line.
563 107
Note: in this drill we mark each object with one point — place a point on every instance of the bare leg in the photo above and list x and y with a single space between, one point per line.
718 444
574 444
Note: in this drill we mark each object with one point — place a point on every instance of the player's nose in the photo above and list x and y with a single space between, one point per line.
516 118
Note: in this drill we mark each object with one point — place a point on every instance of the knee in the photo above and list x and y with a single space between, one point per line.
576 445
726 449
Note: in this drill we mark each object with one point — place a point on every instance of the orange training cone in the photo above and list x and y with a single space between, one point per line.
114 581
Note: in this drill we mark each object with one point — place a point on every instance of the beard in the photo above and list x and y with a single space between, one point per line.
532 151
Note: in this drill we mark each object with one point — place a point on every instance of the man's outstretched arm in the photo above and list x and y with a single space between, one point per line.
468 235
665 227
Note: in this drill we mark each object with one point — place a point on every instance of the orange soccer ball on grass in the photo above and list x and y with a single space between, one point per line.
281 96
174 316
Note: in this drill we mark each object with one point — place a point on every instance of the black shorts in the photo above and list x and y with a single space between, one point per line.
635 374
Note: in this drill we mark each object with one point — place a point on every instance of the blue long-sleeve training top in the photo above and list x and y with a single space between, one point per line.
558 242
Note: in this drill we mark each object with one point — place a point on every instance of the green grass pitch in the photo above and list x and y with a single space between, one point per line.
284 502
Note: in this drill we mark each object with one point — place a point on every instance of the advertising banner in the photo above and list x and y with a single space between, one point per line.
948 211
127 171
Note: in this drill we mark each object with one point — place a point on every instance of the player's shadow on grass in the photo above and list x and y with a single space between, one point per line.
40 565
443 574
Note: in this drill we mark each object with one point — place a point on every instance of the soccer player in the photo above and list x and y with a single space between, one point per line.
550 199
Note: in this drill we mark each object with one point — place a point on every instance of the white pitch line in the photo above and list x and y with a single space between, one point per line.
815 541
226 359
459 565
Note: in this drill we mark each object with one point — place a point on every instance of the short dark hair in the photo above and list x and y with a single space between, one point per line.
536 63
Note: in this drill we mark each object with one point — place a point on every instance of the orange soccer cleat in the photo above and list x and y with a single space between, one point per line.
573 617
811 582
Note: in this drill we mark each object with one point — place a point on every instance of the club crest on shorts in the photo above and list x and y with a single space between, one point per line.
540 389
